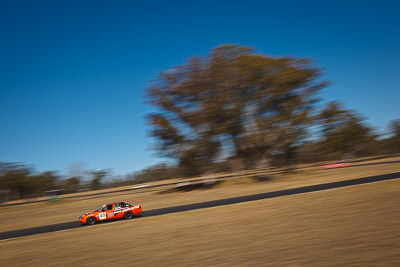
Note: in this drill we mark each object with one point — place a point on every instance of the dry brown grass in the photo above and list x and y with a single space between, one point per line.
354 226
37 214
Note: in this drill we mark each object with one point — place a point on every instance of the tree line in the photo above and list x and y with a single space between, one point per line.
18 181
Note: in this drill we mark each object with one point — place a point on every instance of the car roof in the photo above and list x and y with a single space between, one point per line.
113 203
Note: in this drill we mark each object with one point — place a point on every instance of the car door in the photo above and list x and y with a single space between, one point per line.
110 211
107 212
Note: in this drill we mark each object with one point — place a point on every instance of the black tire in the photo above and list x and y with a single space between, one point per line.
91 220
128 215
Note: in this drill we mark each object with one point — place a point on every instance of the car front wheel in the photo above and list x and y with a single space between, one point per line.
91 220
128 215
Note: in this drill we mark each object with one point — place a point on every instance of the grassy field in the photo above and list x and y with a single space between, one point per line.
38 214
353 226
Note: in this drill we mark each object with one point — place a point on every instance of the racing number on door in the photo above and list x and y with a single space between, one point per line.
102 215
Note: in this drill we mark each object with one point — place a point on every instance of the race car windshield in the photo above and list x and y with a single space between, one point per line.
99 209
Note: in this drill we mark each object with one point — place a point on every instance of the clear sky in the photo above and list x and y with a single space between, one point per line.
73 73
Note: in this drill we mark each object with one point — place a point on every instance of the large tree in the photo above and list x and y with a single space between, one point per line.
232 103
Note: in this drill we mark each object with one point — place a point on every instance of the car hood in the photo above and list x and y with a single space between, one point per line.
89 213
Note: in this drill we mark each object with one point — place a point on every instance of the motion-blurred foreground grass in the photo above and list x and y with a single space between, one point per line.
355 226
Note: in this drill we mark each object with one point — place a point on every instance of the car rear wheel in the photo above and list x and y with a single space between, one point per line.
91 220
128 215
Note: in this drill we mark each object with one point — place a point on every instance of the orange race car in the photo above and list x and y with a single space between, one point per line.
115 210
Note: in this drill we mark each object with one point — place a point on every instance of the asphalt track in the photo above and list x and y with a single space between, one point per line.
208 204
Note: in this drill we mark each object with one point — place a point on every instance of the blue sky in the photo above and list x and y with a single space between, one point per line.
73 73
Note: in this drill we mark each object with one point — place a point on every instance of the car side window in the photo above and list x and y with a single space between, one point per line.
108 207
